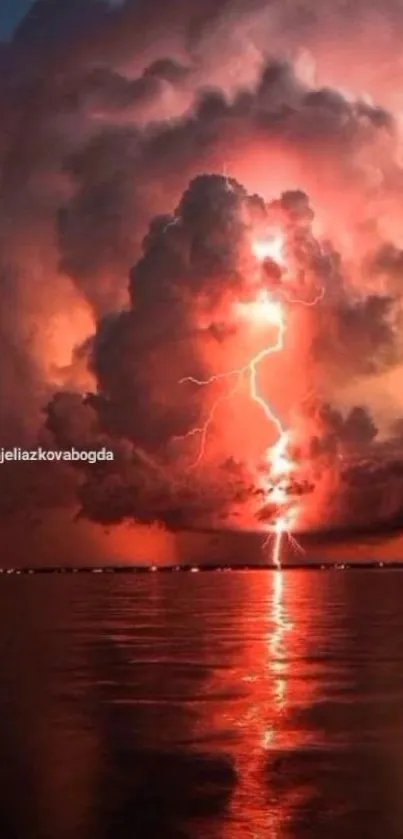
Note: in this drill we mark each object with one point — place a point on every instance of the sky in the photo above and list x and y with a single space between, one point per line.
201 270
11 12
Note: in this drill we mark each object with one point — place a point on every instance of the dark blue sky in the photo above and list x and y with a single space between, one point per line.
11 11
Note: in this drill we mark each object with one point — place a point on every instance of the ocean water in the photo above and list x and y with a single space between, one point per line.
208 706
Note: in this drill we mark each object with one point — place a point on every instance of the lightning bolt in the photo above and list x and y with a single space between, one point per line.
308 303
204 429
276 484
276 456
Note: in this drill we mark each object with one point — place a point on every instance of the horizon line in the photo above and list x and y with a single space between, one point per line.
356 565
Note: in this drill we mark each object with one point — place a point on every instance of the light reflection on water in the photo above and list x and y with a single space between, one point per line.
278 640
271 688
266 705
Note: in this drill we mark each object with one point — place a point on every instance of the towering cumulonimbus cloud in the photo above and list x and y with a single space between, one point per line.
169 138
182 327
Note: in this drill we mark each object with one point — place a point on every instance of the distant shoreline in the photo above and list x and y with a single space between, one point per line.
146 569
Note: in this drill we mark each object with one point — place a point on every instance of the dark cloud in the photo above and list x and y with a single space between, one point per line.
360 335
105 92
118 172
137 490
386 265
72 420
337 433
372 488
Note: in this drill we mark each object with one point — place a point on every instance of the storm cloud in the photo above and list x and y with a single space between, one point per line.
144 149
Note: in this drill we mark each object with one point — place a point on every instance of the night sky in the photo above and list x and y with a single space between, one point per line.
11 12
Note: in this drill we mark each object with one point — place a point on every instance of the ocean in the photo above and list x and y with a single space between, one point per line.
202 706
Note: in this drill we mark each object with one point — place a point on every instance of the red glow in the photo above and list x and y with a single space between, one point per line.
263 312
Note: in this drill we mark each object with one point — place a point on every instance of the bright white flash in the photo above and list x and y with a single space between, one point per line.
262 309
270 248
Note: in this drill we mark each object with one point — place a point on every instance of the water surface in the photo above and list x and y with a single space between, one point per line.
218 705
